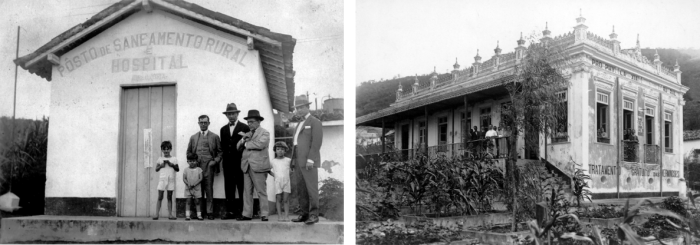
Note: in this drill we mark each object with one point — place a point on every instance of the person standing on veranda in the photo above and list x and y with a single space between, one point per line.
207 146
306 159
255 164
231 162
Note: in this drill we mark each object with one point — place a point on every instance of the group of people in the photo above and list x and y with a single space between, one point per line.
485 133
630 135
242 152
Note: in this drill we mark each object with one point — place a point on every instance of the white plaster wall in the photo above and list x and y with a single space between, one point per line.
332 150
85 116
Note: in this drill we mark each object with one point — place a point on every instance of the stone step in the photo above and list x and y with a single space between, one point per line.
67 229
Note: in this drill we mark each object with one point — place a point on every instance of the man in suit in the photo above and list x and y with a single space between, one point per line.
306 159
255 164
207 146
231 162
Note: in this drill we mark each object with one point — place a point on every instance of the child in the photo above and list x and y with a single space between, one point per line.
192 177
280 170
168 164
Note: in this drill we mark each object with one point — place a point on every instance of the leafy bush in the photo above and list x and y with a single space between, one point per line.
534 186
419 232
440 186
330 199
676 205
580 190
603 211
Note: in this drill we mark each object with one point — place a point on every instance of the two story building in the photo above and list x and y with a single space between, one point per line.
613 94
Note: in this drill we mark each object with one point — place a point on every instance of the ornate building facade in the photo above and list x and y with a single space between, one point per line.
624 114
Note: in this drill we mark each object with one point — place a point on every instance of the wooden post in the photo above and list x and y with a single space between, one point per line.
382 137
661 148
426 128
452 147
619 103
465 121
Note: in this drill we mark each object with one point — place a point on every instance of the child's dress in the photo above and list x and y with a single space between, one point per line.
191 176
166 181
280 168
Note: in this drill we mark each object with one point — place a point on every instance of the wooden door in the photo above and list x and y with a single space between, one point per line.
145 109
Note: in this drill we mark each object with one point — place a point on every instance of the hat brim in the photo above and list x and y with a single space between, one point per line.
295 106
234 111
256 117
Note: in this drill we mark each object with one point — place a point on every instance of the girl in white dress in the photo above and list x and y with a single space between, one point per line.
280 170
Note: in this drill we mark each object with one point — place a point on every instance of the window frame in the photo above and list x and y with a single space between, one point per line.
422 127
559 134
485 113
668 131
602 101
442 122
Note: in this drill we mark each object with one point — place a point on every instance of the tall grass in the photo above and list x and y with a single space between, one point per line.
23 162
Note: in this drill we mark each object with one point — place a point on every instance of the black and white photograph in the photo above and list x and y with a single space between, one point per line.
172 121
527 122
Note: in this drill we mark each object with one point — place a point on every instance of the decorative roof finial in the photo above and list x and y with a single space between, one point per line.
520 41
477 58
456 65
580 20
613 35
546 31
416 80
498 48
676 67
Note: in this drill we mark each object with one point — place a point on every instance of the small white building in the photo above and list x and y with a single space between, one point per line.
691 144
139 73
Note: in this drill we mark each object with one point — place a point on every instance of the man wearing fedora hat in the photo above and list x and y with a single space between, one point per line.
255 164
207 146
306 159
233 176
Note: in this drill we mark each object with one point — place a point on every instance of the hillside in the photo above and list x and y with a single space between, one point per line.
372 97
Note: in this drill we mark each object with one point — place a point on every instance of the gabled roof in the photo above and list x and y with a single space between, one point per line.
276 49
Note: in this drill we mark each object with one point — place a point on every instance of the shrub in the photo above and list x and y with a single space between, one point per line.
330 199
420 232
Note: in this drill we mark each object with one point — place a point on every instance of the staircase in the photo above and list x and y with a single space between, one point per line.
557 175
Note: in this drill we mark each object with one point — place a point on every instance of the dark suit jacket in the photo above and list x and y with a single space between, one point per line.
309 142
231 155
214 148
255 153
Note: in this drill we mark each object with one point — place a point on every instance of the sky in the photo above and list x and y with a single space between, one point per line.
316 24
408 37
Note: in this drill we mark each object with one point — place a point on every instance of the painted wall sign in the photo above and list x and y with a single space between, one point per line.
640 126
602 169
670 173
150 63
187 40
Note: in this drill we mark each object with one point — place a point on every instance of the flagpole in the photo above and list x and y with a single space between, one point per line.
14 106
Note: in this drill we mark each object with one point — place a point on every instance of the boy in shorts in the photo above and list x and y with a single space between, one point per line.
193 191
167 166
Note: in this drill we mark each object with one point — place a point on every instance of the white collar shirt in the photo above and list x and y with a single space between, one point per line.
299 127
231 127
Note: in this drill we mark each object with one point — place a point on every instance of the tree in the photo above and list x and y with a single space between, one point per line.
535 107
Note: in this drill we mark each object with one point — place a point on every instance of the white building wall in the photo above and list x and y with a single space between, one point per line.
85 116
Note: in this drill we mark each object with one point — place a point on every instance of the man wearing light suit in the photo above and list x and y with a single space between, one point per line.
207 146
255 164
306 159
